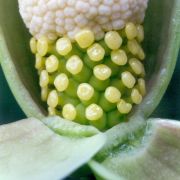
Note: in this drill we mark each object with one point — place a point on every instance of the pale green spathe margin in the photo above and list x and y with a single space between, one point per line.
69 128
154 156
16 60
162 43
30 150
18 88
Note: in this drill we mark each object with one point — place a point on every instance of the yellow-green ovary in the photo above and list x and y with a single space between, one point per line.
89 81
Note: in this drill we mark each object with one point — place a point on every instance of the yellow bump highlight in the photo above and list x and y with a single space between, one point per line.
136 66
39 62
93 112
131 31
63 46
42 46
52 64
113 40
119 57
142 86
133 46
33 45
128 79
140 33
136 96
96 52
85 38
51 111
112 94
69 112
102 72
74 65
44 93
53 99
44 78
141 53
61 82
124 107
85 91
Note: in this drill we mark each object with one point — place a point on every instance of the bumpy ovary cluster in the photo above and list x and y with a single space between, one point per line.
89 81
56 18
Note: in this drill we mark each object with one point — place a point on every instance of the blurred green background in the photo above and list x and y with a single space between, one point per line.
168 108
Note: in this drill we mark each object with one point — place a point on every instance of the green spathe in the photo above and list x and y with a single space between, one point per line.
155 156
30 150
69 128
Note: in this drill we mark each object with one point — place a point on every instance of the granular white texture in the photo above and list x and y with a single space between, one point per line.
56 18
